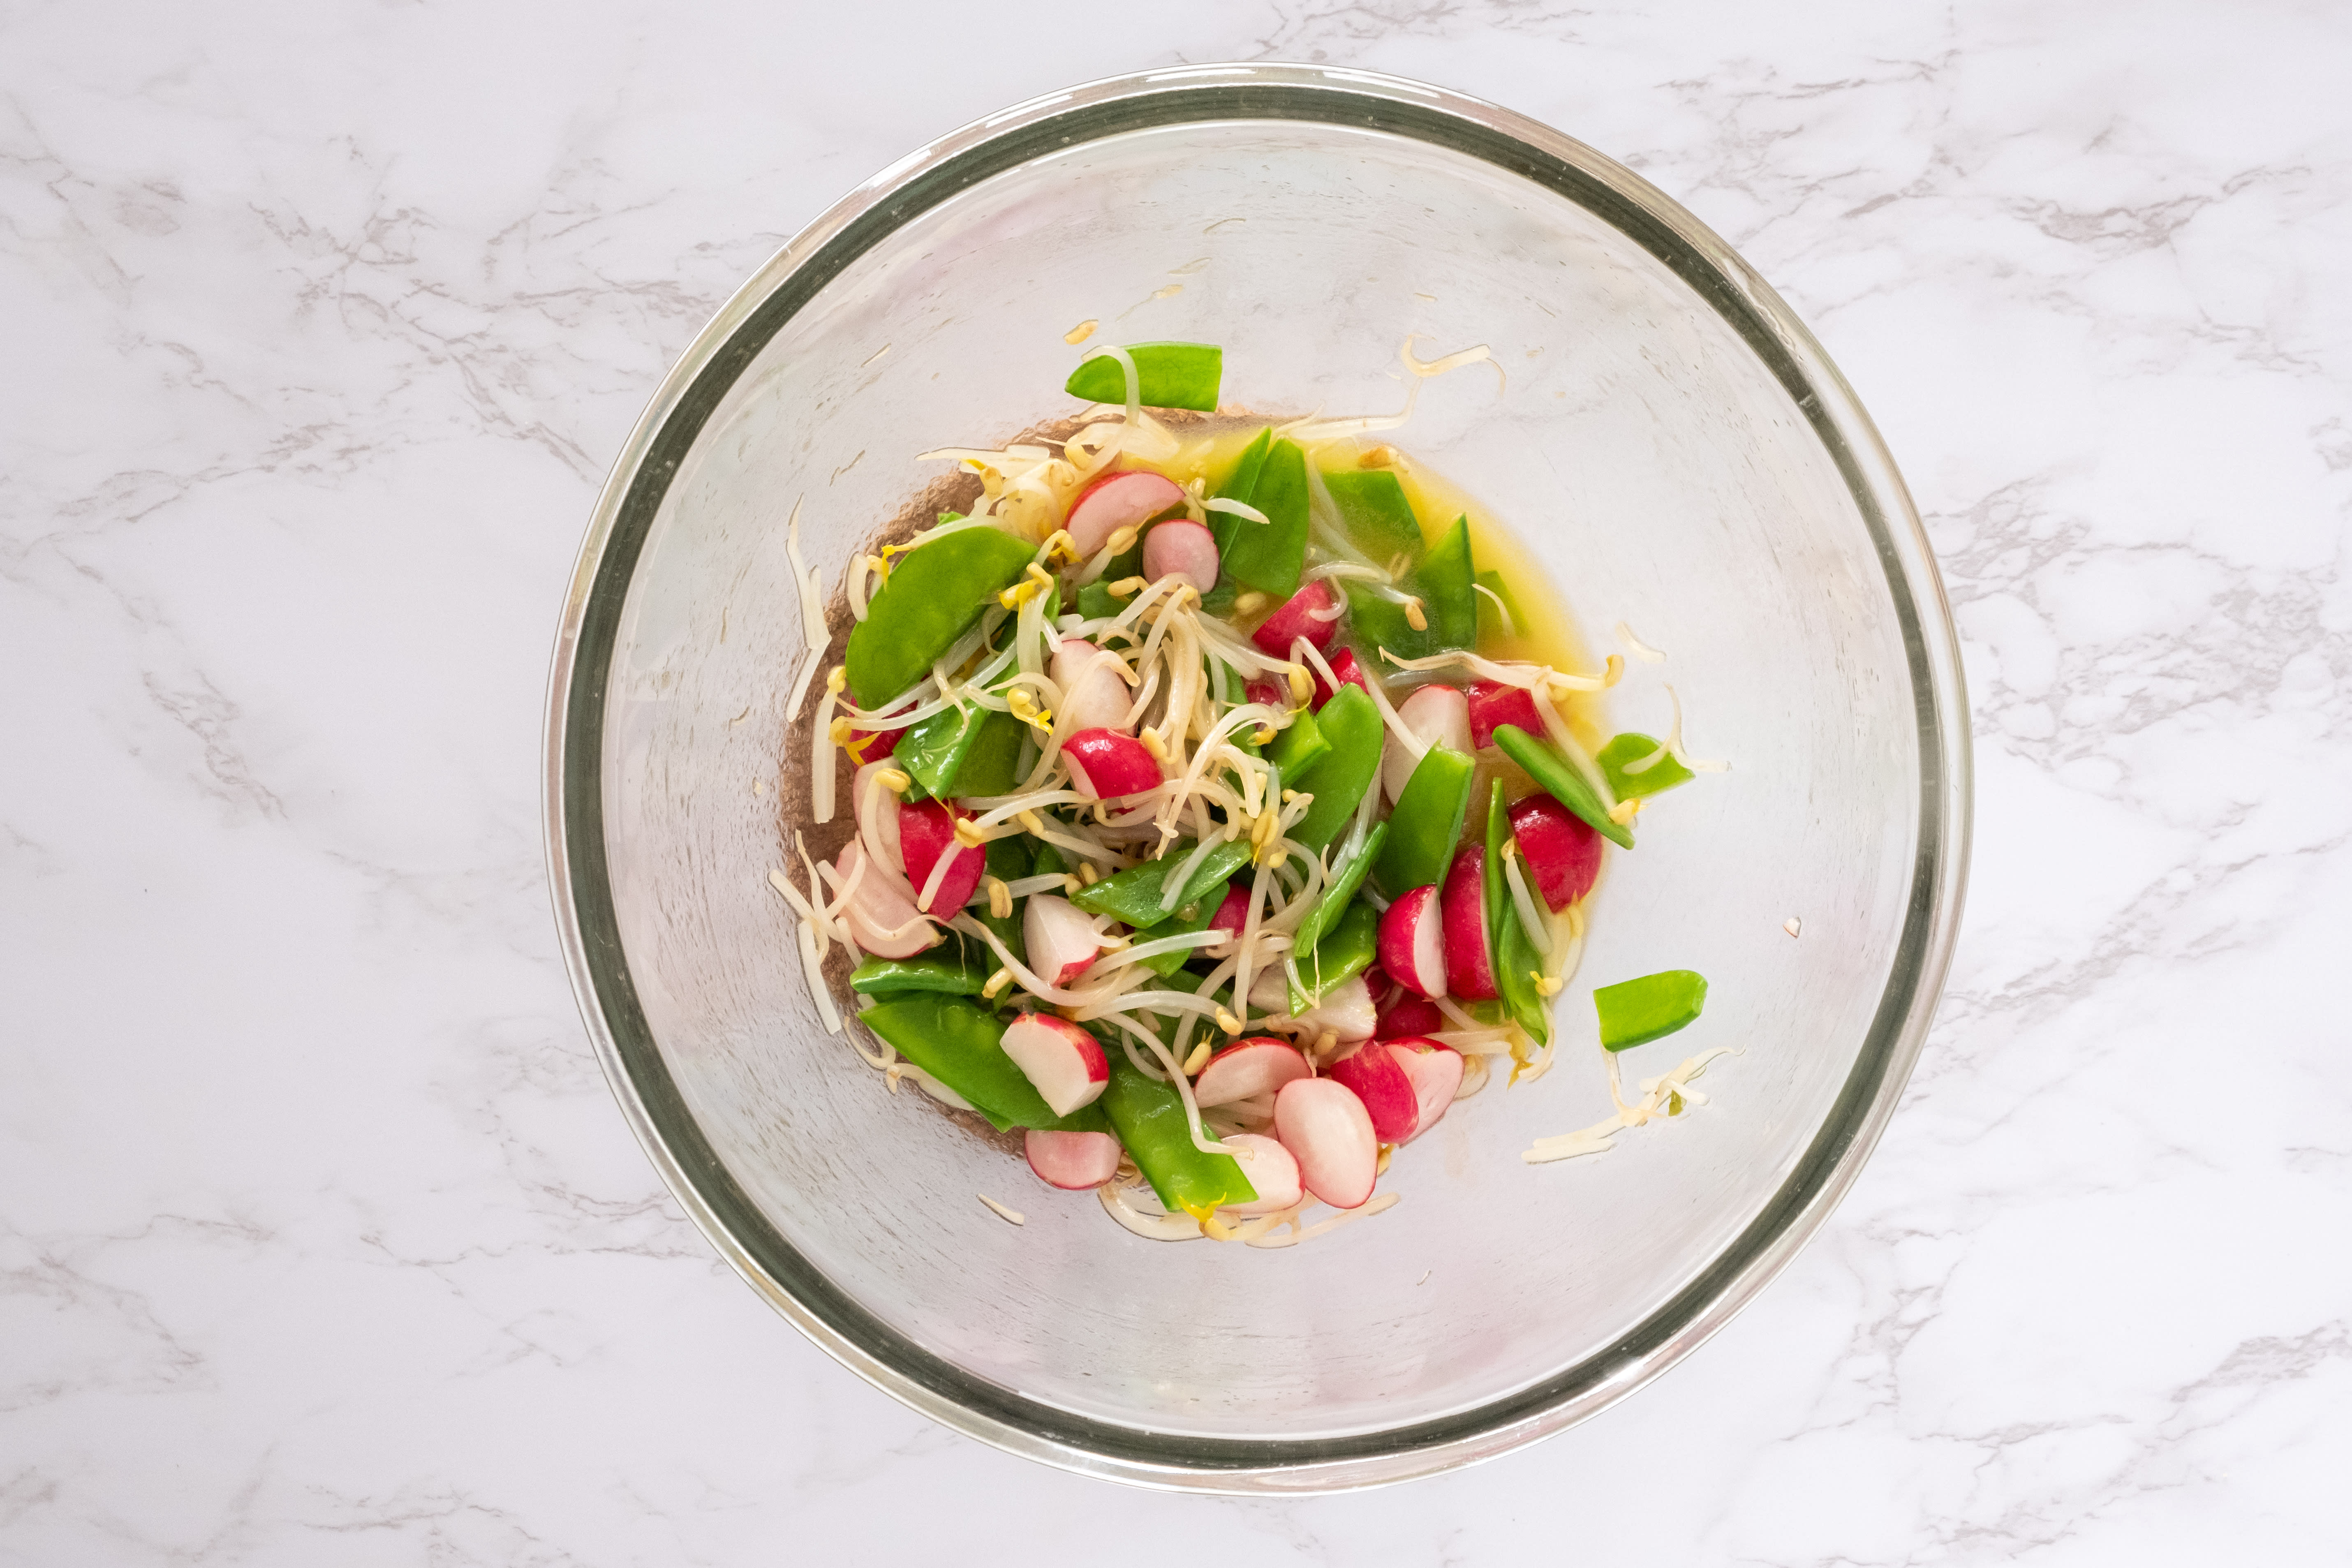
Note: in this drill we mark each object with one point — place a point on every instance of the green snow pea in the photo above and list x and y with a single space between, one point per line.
961 974
1443 580
1376 623
1193 915
1240 485
1148 1118
1335 899
1168 375
1297 748
1138 894
1636 1012
1631 747
1046 857
962 1045
1561 777
1268 555
1427 824
934 596
1490 620
1346 951
1096 602
992 766
1377 515
1513 952
1352 725
1008 861
938 751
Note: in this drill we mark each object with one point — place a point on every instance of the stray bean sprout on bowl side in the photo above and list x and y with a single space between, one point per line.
1217 816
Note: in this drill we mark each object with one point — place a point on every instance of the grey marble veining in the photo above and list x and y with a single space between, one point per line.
321 1241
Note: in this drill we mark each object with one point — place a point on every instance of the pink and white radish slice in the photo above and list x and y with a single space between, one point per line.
1440 716
1073 1161
1093 697
1561 849
1462 904
1247 1068
1379 1080
1329 1134
1061 938
1063 1063
1128 499
1346 1009
1412 943
1271 1170
1107 765
1435 1071
1182 549
925 831
877 815
881 914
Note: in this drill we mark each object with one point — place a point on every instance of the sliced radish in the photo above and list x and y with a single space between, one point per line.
1128 499
1272 693
1253 1067
1073 1161
1233 914
925 831
1061 940
1344 665
1413 1015
1436 1073
1462 904
873 744
1560 849
1065 1063
1297 618
1346 1009
1379 1080
1492 703
1107 765
1093 695
1439 715
881 914
880 825
1413 943
1329 1132
1182 548
1271 1170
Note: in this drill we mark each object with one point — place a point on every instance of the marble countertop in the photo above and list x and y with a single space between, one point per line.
321 1240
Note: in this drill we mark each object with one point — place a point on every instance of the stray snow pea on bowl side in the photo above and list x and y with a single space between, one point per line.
1636 1012
1168 375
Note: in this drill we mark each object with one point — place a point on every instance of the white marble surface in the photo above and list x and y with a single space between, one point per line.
321 1240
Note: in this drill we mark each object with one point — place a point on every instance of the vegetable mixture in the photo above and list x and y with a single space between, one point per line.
1211 825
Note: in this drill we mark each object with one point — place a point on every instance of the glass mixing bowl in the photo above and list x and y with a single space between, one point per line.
1672 447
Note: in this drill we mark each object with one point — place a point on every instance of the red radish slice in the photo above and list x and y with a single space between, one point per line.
1435 1071
1350 673
875 744
1408 1018
1379 1080
927 831
1128 499
1257 1066
1297 618
1272 693
1271 1171
1492 703
1186 550
881 914
1329 1132
1412 943
1234 913
1065 1063
1560 849
1093 697
1061 941
1073 1161
1107 765
880 825
1462 904
1346 1009
1439 715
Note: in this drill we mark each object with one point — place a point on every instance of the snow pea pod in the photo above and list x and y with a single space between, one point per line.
1168 375
953 753
1444 581
934 596
1515 955
1297 748
1268 555
1148 1118
1352 725
1335 899
1629 747
958 975
1375 622
1504 622
1426 825
1345 953
961 1045
1374 509
1636 1012
1240 485
1568 785
1136 895
1193 915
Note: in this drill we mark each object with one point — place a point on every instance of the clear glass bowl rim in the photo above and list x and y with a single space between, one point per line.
573 803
